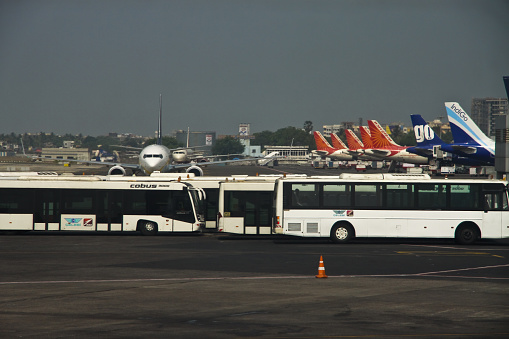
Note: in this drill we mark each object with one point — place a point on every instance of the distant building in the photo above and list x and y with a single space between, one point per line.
65 153
328 129
485 110
290 153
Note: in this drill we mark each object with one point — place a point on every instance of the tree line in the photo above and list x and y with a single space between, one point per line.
230 145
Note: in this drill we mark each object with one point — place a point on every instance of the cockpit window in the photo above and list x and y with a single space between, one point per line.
152 156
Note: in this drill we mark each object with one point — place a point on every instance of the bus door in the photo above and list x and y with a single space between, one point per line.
183 213
496 211
247 212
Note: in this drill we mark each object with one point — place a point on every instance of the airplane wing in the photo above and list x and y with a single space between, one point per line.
356 152
205 163
422 150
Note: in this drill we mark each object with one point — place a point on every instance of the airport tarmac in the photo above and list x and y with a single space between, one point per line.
215 286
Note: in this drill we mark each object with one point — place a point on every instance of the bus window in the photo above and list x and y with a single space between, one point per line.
464 197
109 206
304 195
135 203
367 196
337 196
14 200
495 197
234 202
431 196
399 196
182 207
77 201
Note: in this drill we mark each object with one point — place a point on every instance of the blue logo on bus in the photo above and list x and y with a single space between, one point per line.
73 221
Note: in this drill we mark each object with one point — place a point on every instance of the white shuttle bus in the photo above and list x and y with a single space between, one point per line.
96 204
391 205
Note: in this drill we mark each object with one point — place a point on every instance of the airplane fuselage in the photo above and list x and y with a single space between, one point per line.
154 158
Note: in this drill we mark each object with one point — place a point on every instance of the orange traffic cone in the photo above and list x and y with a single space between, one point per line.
321 269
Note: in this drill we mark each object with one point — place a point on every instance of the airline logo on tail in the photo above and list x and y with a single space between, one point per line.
423 133
464 129
337 142
461 113
379 136
353 141
321 143
366 137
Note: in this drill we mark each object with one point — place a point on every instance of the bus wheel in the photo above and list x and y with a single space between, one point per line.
341 233
147 227
466 234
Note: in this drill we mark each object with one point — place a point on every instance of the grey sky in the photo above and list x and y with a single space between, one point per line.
95 67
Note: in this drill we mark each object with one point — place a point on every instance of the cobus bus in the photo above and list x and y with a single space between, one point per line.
239 204
391 205
96 204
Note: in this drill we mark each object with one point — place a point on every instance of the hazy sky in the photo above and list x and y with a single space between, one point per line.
93 67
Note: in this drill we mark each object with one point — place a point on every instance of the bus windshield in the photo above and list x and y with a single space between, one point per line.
198 197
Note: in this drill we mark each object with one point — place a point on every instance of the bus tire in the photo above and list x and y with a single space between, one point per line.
147 227
467 234
342 232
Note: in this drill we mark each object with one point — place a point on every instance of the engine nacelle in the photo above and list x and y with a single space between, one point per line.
117 170
196 170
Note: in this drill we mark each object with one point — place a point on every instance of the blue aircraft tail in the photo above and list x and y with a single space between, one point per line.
463 128
424 134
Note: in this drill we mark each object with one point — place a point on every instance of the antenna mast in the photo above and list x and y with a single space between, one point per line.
159 128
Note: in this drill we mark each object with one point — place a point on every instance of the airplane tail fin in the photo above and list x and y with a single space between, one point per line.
160 127
506 83
366 137
379 136
337 142
424 134
321 143
352 140
463 128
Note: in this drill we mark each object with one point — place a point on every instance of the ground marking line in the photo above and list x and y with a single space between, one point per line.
434 274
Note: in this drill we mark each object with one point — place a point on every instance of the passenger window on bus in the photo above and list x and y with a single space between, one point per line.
337 196
366 196
464 197
77 201
304 195
495 197
495 201
431 196
399 196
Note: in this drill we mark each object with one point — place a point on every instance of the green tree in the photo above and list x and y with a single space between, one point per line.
308 126
228 145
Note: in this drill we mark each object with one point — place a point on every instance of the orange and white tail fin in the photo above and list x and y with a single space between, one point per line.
321 143
353 141
366 137
379 136
336 141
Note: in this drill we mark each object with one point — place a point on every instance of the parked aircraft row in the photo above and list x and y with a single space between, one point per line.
471 146
376 144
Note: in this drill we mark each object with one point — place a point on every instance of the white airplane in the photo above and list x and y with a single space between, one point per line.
158 158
